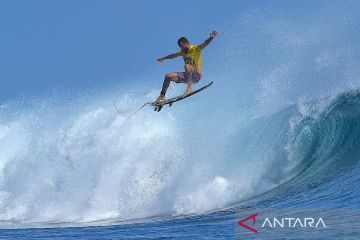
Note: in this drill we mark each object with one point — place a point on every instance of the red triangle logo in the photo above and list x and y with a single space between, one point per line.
253 218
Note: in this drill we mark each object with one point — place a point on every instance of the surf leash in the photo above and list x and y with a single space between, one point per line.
126 115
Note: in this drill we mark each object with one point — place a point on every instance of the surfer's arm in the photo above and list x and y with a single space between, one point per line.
170 56
207 41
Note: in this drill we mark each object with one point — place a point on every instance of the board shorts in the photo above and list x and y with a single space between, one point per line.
182 77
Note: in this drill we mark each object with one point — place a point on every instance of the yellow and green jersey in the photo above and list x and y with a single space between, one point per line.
193 57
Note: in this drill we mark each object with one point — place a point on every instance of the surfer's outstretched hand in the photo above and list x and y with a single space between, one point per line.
213 34
160 59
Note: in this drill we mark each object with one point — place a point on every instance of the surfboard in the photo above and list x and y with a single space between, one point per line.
170 101
159 106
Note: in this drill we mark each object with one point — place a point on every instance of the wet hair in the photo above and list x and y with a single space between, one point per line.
182 40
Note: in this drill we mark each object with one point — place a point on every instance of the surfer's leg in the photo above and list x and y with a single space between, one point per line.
189 78
189 73
168 78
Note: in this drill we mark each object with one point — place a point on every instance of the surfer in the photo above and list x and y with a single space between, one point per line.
192 58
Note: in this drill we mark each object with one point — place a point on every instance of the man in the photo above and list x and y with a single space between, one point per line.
192 58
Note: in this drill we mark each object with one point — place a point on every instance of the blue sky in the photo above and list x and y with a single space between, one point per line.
53 44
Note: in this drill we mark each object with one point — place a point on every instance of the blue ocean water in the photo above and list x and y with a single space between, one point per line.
279 130
325 175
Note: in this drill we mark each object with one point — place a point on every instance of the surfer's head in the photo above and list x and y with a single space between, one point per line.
184 44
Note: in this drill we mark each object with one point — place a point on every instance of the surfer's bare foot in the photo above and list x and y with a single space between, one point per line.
160 99
188 90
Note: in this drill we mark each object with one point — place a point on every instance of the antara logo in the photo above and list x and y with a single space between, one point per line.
287 222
